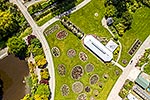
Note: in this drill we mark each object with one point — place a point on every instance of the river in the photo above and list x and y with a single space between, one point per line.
12 72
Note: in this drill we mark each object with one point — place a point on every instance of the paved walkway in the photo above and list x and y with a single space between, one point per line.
117 64
104 23
129 71
3 53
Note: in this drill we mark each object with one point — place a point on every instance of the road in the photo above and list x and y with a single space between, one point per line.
129 71
38 32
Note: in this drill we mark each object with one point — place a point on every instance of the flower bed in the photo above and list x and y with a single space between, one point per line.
51 30
87 89
89 67
77 72
94 79
83 56
64 90
61 35
55 52
71 53
77 87
61 69
82 96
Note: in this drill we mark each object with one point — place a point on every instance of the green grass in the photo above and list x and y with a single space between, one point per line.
44 19
140 30
147 68
88 22
100 68
26 32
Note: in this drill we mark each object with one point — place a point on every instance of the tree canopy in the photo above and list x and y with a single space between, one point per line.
17 46
7 24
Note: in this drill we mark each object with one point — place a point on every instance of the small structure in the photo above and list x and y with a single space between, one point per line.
142 82
131 97
142 93
109 21
111 45
97 48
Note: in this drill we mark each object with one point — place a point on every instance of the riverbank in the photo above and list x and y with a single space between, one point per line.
12 73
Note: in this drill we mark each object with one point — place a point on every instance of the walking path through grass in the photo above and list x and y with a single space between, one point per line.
104 23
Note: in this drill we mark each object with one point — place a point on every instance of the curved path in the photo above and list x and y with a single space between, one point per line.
38 31
104 23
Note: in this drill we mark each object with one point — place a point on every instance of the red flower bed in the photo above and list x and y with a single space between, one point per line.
61 35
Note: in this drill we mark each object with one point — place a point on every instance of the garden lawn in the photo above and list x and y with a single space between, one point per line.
86 20
139 30
72 42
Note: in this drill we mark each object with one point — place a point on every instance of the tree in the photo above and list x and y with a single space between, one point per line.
146 2
44 74
7 24
40 61
110 11
17 46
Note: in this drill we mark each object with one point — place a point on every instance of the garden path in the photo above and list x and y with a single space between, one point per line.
104 23
3 53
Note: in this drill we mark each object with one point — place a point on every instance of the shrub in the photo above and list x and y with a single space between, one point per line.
40 61
44 74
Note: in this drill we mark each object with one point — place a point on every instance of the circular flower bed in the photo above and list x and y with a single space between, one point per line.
77 72
94 79
87 89
92 98
61 69
61 35
71 53
64 90
89 67
96 92
77 87
106 76
55 52
82 97
100 84
83 56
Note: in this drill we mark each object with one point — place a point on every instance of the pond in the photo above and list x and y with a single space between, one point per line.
12 73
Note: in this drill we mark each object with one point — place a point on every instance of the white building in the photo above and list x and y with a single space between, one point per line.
131 97
98 48
111 45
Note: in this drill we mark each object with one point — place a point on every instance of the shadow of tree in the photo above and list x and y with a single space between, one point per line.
62 6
